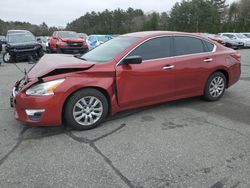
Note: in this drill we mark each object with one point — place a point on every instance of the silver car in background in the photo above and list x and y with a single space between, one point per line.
234 44
246 34
44 41
239 38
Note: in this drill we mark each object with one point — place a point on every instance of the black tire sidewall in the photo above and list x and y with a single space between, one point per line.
68 109
207 95
10 60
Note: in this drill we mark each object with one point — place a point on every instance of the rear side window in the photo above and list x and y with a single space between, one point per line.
154 49
188 45
209 45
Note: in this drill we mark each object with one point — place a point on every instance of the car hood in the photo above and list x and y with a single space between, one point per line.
72 40
243 40
53 64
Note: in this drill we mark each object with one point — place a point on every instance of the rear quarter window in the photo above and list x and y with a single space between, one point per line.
209 45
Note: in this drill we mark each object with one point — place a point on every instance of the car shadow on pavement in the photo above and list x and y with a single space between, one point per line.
108 126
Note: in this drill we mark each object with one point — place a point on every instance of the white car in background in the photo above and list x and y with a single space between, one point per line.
44 41
238 37
234 44
246 34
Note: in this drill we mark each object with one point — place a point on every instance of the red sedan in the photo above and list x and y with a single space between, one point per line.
130 71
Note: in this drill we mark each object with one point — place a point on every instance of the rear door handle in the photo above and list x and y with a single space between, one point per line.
208 60
168 67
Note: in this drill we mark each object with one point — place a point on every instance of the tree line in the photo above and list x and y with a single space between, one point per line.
38 30
211 16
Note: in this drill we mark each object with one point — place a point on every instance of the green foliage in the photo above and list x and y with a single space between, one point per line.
38 30
189 15
194 16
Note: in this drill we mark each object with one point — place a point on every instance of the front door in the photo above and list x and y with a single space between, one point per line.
150 82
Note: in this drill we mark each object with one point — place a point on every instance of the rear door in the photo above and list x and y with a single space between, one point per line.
151 81
194 57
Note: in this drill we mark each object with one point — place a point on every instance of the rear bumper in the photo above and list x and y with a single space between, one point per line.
235 73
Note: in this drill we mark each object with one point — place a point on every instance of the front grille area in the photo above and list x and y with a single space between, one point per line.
25 47
75 44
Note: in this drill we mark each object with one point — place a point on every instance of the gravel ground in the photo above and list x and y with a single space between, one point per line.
187 143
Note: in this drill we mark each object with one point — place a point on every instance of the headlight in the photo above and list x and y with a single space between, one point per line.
64 43
44 89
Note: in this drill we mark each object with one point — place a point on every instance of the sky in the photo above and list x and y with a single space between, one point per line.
60 12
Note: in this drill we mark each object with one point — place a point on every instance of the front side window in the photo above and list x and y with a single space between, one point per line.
187 45
154 49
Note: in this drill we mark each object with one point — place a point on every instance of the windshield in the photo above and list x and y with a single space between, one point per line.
241 36
104 38
109 50
20 38
247 35
69 35
82 35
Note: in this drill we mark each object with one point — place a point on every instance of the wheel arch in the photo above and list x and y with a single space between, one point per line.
100 89
226 74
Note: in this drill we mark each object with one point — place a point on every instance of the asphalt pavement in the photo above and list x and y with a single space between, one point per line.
186 143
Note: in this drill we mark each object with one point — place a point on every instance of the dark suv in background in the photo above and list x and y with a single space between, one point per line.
21 45
67 42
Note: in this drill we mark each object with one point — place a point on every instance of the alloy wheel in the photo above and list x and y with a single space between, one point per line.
6 57
88 110
217 86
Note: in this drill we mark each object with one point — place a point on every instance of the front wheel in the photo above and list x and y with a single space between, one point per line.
86 109
215 86
7 57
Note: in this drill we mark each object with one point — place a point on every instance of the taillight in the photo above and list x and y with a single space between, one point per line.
236 56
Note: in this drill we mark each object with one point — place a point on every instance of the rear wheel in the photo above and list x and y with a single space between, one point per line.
215 86
86 109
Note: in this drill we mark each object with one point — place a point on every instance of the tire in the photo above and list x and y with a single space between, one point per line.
58 50
7 58
215 86
40 53
78 111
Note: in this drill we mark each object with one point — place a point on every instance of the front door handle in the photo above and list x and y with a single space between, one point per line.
168 67
208 60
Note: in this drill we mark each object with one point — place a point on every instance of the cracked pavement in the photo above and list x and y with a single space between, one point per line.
186 143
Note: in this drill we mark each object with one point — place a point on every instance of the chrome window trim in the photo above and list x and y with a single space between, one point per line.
203 39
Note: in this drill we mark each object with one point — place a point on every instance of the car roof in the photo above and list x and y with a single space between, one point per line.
229 33
149 34
18 31
67 31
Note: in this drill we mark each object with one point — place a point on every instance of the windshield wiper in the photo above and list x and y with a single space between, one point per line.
79 57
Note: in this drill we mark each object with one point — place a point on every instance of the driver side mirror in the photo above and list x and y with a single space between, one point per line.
132 60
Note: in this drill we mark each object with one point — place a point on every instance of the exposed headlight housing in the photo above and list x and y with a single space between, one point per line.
64 43
44 89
